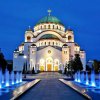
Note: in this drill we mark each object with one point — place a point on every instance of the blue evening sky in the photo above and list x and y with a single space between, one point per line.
83 16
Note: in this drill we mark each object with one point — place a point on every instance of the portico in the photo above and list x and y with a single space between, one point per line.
49 64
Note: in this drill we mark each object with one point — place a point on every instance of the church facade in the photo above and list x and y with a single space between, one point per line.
47 47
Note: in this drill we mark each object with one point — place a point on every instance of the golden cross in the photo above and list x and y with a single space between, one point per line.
49 12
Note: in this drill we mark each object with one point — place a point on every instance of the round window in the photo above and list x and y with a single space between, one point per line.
49 51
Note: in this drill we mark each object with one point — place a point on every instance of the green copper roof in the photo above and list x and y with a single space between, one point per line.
50 19
49 36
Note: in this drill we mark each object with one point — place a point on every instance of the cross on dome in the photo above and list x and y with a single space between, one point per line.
29 27
49 12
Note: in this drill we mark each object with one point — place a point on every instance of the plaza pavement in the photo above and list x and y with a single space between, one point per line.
50 88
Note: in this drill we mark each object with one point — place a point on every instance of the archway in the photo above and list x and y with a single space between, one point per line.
49 64
42 67
49 32
56 65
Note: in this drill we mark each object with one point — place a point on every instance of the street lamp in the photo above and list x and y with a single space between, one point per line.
25 57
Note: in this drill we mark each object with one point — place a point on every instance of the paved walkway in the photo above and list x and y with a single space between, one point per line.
50 88
47 75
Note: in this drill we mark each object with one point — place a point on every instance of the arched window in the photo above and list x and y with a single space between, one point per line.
53 43
41 27
45 43
48 26
28 38
56 43
53 26
45 26
49 43
57 27
41 43
69 38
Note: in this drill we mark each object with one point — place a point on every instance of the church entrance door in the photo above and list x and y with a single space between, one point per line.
49 64
49 67
55 68
42 68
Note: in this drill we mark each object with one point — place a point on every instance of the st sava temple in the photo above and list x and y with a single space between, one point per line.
48 46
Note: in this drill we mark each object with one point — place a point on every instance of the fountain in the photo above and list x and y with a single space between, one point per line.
75 77
87 82
20 77
7 78
87 79
99 80
78 76
0 79
12 77
93 79
17 77
82 77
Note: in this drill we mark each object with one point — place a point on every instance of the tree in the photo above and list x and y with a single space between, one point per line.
23 69
65 70
88 68
96 65
70 68
10 67
3 62
77 64
33 71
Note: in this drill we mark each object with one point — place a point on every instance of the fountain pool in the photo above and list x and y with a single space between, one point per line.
88 81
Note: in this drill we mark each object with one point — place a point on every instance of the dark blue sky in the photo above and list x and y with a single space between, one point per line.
83 16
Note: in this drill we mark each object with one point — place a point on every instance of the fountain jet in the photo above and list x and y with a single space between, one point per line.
87 79
7 78
79 77
0 79
12 77
93 79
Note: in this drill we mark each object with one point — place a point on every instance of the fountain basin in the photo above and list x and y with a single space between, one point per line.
16 90
91 93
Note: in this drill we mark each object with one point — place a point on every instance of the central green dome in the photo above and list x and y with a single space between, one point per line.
49 19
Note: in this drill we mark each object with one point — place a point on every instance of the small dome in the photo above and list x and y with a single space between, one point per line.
29 28
22 44
49 19
69 29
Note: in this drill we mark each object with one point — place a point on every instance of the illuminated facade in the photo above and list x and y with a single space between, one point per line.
48 46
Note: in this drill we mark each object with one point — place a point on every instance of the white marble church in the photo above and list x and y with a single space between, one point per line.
48 46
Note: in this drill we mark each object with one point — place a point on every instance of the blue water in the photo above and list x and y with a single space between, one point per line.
10 88
95 89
